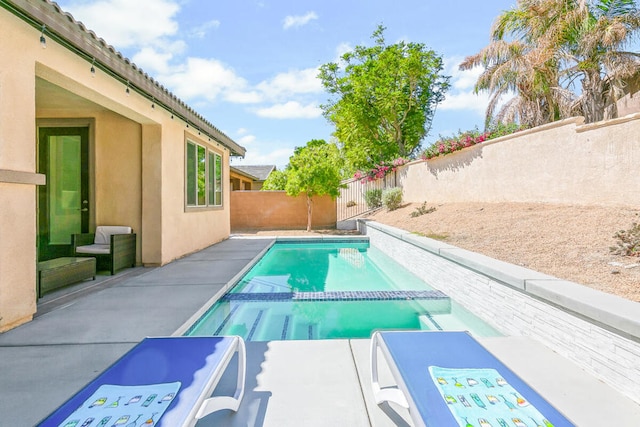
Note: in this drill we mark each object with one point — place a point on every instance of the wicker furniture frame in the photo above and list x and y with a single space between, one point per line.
122 251
59 272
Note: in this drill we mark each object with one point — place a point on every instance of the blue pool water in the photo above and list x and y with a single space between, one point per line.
322 290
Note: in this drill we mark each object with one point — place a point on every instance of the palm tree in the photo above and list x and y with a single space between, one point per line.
516 64
594 39
541 47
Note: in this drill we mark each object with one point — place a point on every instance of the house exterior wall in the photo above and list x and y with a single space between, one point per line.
137 166
563 162
240 182
187 230
270 210
17 200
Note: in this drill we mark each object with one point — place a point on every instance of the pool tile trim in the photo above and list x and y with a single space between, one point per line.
335 296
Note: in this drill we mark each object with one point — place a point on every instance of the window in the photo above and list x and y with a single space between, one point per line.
204 176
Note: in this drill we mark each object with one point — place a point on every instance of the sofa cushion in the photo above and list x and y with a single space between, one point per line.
104 232
93 249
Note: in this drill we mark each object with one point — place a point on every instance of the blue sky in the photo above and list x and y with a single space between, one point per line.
250 67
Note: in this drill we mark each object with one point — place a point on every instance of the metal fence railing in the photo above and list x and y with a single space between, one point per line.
351 202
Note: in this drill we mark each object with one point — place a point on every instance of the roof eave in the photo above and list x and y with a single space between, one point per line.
64 29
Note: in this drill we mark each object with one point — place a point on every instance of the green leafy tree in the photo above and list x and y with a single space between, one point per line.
314 170
383 99
277 180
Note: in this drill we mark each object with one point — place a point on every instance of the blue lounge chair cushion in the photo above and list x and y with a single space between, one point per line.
190 367
410 356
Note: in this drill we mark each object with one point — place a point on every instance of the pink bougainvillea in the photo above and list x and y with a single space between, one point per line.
449 145
466 139
380 171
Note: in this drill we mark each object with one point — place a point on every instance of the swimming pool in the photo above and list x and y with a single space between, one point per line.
303 290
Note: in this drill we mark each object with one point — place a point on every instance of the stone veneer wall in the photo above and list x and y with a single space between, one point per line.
599 332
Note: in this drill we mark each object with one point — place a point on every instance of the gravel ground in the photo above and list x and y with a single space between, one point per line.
569 242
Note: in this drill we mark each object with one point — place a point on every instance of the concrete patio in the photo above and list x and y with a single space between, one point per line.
80 331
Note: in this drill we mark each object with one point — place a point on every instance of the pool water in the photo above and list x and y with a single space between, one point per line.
324 290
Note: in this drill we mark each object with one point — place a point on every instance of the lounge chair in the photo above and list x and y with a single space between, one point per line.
449 379
161 381
113 246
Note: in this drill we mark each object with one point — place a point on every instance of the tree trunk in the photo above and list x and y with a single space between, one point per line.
309 210
593 98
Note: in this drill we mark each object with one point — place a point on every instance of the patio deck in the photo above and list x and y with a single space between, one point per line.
80 331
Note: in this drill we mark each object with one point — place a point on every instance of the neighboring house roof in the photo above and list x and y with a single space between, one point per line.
63 28
258 172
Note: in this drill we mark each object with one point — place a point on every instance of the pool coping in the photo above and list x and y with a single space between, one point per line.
223 290
614 313
192 321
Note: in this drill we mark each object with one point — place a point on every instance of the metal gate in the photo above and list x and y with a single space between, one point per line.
351 202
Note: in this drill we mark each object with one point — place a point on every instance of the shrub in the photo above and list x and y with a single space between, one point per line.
628 241
501 129
422 210
373 198
392 198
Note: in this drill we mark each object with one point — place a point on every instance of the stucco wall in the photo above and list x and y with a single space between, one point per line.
630 103
17 200
264 210
564 162
187 230
136 156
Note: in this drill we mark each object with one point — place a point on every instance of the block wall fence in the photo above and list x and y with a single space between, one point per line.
272 210
565 162
597 331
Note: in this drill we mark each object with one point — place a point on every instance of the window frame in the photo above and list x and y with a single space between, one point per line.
205 164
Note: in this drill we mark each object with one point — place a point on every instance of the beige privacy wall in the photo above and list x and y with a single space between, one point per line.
564 162
269 210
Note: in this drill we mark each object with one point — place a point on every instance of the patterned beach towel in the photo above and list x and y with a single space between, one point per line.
126 406
482 398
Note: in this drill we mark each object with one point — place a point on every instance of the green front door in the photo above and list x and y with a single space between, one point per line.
63 203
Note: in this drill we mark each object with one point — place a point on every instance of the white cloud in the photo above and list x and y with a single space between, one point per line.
242 131
292 82
152 61
246 140
204 78
465 101
290 110
461 94
125 23
461 80
201 31
298 21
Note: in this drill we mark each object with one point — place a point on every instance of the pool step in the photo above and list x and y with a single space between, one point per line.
262 284
265 324
442 322
427 322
